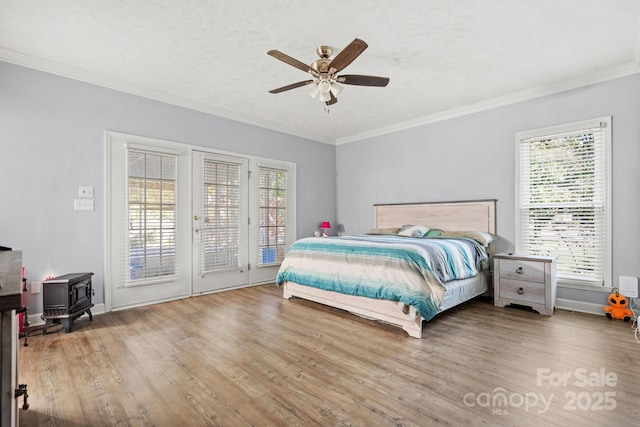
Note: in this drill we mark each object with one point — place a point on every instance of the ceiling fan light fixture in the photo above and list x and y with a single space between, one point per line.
336 89
325 96
313 89
324 86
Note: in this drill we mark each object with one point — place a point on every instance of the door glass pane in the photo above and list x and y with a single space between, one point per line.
273 208
151 206
220 234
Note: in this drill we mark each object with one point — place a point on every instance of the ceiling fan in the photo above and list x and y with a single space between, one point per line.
324 70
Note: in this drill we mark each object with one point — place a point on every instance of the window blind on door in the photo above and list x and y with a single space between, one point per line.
152 212
562 201
220 233
272 230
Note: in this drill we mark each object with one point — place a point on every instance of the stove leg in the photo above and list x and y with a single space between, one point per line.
22 391
67 324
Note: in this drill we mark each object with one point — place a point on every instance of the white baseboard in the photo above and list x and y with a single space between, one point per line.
561 304
36 319
582 307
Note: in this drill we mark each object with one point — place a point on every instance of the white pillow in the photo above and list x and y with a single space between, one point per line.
413 231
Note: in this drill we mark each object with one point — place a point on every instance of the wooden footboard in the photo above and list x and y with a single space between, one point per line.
393 312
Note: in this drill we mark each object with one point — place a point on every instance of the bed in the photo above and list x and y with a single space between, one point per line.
465 215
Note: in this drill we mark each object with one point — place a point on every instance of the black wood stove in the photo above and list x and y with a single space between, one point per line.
66 298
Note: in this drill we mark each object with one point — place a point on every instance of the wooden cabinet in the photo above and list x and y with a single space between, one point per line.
525 280
10 301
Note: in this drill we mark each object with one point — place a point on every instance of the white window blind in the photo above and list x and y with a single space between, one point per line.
272 230
151 204
220 240
563 199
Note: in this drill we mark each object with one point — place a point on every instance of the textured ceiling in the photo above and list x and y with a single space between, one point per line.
443 58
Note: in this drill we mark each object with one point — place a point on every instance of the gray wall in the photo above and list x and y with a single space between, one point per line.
472 157
51 141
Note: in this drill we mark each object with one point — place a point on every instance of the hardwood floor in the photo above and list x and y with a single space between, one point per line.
250 358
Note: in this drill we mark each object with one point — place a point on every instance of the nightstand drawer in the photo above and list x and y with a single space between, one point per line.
515 269
522 291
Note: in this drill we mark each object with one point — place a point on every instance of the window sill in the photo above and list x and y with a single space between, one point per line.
269 265
591 288
150 281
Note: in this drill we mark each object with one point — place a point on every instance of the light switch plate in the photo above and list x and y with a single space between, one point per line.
86 192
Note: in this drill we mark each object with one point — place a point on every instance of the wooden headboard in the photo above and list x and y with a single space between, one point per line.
474 215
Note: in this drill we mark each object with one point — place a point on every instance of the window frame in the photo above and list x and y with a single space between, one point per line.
605 124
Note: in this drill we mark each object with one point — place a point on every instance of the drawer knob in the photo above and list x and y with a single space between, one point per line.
519 270
520 291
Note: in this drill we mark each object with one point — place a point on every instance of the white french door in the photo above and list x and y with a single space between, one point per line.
148 229
220 231
181 221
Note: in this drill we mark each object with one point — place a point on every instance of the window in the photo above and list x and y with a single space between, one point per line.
563 199
272 230
151 185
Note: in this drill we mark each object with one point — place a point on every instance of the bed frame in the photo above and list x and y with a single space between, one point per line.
477 215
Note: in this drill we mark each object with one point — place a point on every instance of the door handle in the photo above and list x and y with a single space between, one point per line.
196 217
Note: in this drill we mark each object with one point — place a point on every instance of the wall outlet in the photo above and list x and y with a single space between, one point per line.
36 287
83 204
628 286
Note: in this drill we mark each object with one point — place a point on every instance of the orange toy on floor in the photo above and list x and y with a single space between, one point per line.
617 308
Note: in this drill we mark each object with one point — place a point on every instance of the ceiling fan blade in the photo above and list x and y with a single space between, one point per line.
333 99
347 55
291 61
359 80
291 86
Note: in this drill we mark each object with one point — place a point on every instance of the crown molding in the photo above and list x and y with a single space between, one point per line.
129 88
581 81
144 92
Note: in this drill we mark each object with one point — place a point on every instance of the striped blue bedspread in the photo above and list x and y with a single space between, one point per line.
405 269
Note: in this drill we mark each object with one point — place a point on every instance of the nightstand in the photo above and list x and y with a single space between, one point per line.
525 280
